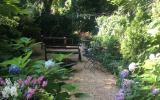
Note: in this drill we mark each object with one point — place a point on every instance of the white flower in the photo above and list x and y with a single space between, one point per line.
158 55
49 63
132 66
5 94
153 32
14 91
152 57
6 91
8 82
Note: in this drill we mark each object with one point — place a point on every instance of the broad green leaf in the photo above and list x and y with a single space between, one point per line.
70 87
60 57
26 59
63 96
16 61
82 95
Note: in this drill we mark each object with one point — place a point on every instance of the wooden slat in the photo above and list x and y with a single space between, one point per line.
62 47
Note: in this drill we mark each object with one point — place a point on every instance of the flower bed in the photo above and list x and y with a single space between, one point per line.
142 79
28 79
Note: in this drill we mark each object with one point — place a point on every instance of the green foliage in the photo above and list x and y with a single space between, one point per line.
133 46
57 25
93 6
70 87
156 9
62 6
60 57
111 32
113 25
8 22
131 5
56 89
20 61
45 96
82 95
145 79
106 50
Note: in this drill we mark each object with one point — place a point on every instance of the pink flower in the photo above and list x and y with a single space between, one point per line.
40 79
34 81
44 83
26 82
20 82
30 93
29 78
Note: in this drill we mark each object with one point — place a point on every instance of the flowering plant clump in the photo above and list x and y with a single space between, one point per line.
14 69
49 64
132 85
155 91
28 87
127 84
124 73
120 95
154 56
132 66
29 94
9 89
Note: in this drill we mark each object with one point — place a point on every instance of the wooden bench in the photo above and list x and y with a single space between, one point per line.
61 45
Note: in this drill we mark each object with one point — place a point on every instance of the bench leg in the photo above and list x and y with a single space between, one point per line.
79 54
45 53
42 46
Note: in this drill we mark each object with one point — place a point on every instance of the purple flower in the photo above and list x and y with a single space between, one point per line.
120 95
28 80
44 83
124 73
126 84
155 91
2 82
14 69
30 93
40 79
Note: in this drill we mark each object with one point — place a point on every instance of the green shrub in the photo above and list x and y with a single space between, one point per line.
106 50
113 25
134 43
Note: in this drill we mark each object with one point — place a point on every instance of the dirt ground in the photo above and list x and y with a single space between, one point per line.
99 84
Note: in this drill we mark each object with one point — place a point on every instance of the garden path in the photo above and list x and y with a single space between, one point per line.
101 85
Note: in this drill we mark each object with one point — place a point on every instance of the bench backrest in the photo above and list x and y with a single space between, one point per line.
59 41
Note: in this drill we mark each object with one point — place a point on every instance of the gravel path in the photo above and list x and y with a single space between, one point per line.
101 85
